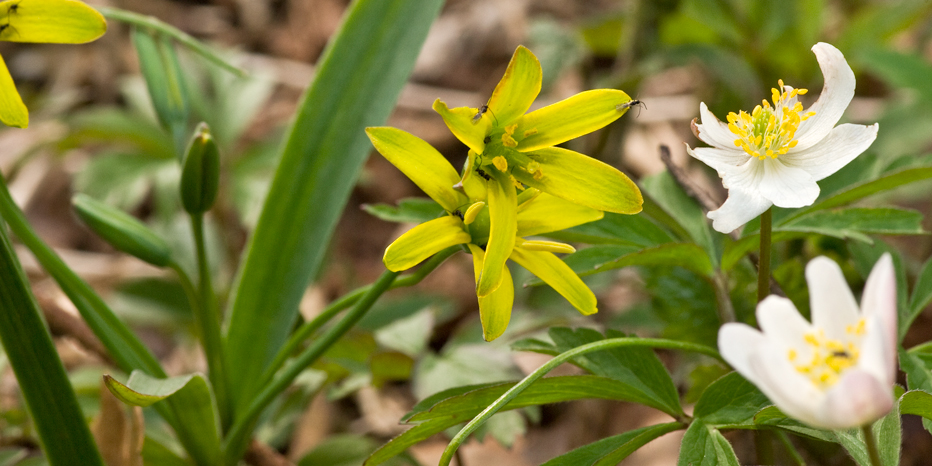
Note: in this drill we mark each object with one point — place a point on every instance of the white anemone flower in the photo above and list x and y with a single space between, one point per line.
836 372
775 154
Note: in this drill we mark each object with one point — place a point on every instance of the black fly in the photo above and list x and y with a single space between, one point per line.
483 174
631 103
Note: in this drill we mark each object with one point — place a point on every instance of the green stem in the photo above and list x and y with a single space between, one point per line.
601 345
871 444
235 443
207 314
347 300
763 264
148 22
921 348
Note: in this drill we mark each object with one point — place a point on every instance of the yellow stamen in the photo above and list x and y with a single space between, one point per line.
548 246
500 163
472 212
830 357
508 139
769 130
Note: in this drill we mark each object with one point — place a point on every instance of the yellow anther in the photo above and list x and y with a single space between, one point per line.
500 163
792 354
769 130
530 132
538 175
472 212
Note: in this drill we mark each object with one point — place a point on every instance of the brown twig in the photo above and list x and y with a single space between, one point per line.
63 323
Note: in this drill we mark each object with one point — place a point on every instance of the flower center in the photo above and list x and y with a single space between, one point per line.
830 358
768 131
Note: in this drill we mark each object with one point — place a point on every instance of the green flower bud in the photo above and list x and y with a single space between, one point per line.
122 230
200 174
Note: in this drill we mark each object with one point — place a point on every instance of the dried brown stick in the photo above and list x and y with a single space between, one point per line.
260 454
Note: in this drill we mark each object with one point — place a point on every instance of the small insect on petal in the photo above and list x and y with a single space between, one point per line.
629 104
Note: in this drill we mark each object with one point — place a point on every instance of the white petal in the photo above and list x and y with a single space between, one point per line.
713 131
857 399
829 155
836 95
787 186
780 321
719 159
877 355
832 305
736 343
878 304
786 387
740 207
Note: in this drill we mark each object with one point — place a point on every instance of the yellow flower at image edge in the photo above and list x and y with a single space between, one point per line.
41 21
836 372
474 222
775 154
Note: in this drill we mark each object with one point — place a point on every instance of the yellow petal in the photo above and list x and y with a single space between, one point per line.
517 90
461 124
502 204
546 213
570 118
418 160
583 180
423 241
559 276
13 111
494 309
52 21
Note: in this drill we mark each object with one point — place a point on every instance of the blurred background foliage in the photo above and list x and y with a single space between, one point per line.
95 131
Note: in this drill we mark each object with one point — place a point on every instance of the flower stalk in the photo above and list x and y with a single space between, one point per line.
871 443
763 263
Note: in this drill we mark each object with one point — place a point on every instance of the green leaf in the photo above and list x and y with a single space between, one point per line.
155 453
122 230
612 450
730 400
704 446
638 368
192 402
342 450
901 70
889 433
410 437
357 83
162 72
685 255
39 372
859 191
684 209
918 377
916 402
620 229
854 223
117 126
772 416
411 210
544 391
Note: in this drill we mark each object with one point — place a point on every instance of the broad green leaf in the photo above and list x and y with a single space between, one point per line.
772 416
685 255
198 426
410 210
638 368
889 433
918 377
343 450
162 72
704 446
916 402
51 21
620 229
612 450
588 261
862 190
673 200
358 80
544 391
39 372
901 70
730 400
155 453
411 437
116 126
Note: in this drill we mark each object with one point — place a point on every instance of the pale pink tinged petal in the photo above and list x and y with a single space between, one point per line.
879 303
786 387
832 305
829 155
719 159
877 354
834 99
713 131
785 186
857 399
736 343
781 322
